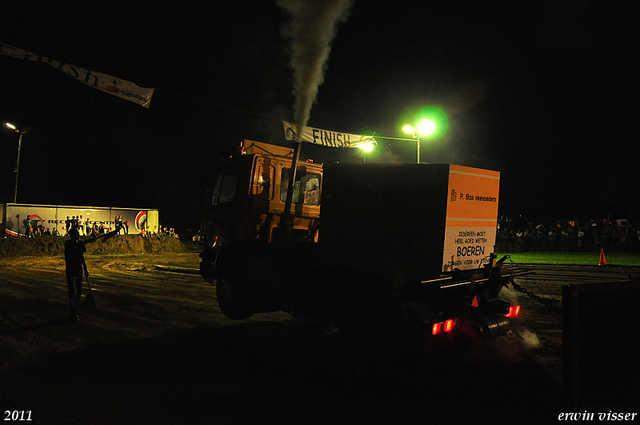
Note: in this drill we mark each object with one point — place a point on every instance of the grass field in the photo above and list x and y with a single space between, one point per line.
572 258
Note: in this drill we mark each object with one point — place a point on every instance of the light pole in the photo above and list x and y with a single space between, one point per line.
21 132
425 127
366 148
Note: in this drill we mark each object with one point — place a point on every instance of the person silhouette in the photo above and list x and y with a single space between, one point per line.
74 250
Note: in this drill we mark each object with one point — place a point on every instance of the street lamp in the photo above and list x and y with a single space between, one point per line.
366 148
425 127
21 132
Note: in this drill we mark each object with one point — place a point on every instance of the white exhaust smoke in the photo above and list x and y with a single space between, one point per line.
529 339
312 28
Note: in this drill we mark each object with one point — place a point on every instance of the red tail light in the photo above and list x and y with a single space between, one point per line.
448 325
440 327
514 311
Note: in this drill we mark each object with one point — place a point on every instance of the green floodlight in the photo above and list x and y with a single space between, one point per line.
431 122
426 127
367 147
409 129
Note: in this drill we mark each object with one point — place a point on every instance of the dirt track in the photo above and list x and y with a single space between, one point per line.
109 245
158 350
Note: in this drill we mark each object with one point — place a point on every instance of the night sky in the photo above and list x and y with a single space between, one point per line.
544 92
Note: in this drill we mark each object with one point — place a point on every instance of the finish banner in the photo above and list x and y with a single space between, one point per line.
103 82
334 139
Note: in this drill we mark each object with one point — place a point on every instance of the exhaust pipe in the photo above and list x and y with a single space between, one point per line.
491 326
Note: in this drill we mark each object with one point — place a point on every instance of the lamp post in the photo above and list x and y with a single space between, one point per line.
21 132
366 148
425 127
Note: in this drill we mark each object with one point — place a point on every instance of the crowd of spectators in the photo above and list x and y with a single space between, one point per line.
84 227
159 232
591 236
90 228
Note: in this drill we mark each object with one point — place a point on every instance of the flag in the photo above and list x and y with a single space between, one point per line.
330 138
103 82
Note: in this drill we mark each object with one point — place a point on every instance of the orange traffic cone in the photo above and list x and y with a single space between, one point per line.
603 261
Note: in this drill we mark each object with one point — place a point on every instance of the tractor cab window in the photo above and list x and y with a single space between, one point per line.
225 189
306 189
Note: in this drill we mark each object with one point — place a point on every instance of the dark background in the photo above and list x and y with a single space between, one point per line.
545 92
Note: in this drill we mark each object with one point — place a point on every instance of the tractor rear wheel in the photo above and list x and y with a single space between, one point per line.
229 291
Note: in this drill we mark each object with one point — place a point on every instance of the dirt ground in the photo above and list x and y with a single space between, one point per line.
157 350
120 244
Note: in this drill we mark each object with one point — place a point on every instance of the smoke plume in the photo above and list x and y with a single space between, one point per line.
529 339
311 30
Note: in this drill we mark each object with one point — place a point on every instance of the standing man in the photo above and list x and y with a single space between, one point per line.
81 225
74 222
118 223
27 226
74 257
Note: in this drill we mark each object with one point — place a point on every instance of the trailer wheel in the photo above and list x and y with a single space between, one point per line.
207 264
229 293
231 282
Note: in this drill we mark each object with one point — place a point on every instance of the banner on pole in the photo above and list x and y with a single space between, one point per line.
103 82
334 139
